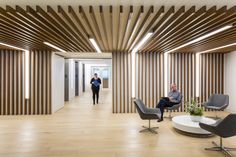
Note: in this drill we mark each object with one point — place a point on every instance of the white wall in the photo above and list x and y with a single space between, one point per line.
80 78
230 82
71 77
57 82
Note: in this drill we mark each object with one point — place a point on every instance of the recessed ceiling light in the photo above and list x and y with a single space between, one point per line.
95 45
14 47
146 37
53 46
217 48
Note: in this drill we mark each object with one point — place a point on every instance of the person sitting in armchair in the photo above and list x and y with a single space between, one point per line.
174 97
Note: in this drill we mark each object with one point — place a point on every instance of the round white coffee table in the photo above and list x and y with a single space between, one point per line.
184 123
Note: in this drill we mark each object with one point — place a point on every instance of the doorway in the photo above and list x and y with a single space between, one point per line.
76 78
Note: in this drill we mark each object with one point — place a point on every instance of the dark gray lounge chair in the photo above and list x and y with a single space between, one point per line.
147 114
223 128
217 102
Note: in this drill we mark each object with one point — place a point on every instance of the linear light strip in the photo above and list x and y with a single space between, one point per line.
147 36
53 46
166 74
197 74
133 69
201 38
14 47
95 45
26 53
217 48
133 63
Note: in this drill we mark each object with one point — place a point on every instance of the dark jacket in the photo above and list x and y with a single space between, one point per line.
95 86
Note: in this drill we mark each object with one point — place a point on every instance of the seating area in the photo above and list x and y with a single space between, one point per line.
223 128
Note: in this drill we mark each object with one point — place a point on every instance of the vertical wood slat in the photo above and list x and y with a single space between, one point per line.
150 78
183 73
40 82
212 75
121 94
12 99
11 82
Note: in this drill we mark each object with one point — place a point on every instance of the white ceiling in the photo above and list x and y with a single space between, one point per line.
167 3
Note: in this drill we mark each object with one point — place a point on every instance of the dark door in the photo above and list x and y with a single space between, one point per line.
66 82
83 67
76 78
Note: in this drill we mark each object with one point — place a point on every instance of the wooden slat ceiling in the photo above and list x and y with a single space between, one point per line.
115 28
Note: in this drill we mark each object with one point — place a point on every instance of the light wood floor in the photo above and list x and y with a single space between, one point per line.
83 130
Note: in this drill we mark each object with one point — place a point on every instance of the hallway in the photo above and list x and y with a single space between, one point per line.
81 129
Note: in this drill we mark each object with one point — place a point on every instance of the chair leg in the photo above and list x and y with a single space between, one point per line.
149 128
216 114
170 114
221 148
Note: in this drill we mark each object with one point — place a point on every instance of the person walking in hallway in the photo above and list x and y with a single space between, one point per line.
95 82
174 97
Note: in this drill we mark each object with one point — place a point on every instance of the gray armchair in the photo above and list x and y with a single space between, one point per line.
223 128
217 102
147 114
175 107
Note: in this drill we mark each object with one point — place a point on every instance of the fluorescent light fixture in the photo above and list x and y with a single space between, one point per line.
201 38
14 47
217 48
197 74
95 45
166 74
133 58
147 36
53 46
26 54
133 69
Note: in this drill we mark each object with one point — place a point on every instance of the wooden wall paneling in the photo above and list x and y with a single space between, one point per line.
11 84
121 69
212 75
40 82
182 73
1 82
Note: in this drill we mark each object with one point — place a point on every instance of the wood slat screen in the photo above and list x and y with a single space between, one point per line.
182 71
211 75
121 75
11 83
12 99
150 77
40 83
